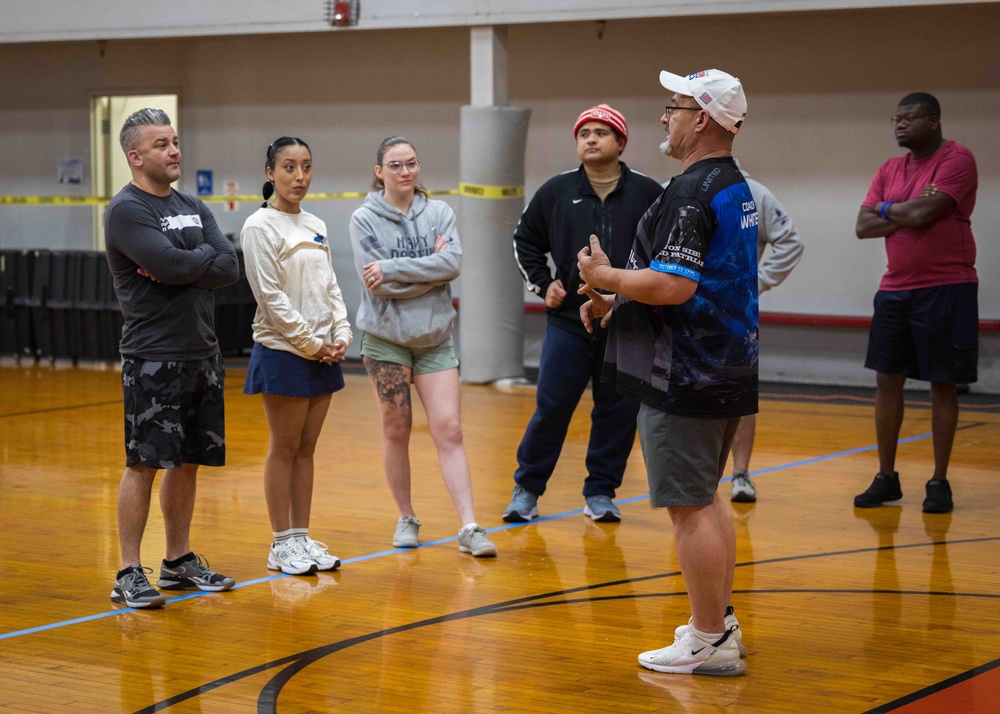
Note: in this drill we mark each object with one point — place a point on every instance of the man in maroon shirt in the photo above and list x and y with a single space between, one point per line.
926 317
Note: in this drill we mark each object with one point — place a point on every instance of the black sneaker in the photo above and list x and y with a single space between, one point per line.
938 496
193 574
884 488
133 589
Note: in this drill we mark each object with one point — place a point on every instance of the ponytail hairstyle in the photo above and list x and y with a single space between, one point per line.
272 153
377 183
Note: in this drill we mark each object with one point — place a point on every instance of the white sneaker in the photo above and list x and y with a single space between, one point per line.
318 552
731 622
472 539
289 557
690 655
407 533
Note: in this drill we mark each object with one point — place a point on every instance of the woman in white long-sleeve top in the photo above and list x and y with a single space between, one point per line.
300 334
407 252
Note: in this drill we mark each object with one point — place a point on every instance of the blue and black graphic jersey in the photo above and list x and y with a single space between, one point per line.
700 358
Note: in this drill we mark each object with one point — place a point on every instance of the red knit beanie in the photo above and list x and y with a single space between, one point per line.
606 115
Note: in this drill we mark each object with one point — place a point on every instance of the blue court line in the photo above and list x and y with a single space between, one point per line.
442 541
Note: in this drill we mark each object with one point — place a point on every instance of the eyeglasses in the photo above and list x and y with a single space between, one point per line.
670 108
908 118
396 167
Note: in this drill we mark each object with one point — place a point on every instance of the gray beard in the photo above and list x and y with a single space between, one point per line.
665 147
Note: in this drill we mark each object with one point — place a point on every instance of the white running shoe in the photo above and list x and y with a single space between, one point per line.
731 622
318 551
690 655
289 557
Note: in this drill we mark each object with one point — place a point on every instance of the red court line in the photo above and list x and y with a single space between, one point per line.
794 318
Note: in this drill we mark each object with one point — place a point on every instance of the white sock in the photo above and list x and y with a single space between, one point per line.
282 536
299 533
709 638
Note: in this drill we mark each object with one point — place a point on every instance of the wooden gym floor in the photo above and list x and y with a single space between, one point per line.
843 610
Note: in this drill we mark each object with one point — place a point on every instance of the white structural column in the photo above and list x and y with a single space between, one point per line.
491 171
488 59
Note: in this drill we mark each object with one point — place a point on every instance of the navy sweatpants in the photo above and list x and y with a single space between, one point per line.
568 362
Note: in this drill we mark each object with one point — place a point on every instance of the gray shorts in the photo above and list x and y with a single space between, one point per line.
685 456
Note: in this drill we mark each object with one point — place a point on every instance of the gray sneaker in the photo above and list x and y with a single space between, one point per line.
602 508
133 589
523 506
193 574
406 535
743 489
472 539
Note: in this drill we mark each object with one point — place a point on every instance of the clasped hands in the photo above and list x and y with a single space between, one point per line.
332 352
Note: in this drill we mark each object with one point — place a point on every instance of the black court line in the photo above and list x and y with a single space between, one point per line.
67 408
74 407
293 664
935 688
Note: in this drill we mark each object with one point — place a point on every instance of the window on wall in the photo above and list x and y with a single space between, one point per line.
109 167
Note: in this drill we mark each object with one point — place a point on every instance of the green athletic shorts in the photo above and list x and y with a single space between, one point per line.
434 359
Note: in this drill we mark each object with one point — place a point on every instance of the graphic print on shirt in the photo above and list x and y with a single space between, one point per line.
406 246
177 223
698 358
676 256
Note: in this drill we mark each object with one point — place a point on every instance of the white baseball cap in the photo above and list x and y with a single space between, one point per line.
718 93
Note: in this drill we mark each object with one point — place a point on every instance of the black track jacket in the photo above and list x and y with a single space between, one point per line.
559 220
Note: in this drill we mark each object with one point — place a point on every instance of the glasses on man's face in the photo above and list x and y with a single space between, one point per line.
396 167
669 108
897 119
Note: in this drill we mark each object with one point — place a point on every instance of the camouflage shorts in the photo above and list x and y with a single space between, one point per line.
174 412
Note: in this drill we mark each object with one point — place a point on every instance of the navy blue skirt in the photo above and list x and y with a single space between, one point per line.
279 372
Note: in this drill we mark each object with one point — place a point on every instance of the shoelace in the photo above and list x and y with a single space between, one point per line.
138 575
201 565
315 547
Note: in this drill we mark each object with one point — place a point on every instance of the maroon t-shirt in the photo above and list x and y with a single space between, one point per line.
944 252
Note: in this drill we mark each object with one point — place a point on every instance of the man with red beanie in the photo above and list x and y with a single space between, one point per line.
604 197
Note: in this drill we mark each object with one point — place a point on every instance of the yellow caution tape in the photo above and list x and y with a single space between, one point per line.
52 200
102 200
479 191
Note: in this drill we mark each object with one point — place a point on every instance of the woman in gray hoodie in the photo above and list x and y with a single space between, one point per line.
407 252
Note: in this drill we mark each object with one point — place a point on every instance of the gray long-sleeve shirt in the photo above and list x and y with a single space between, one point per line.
777 230
177 241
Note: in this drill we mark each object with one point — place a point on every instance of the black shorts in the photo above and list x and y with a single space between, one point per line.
930 334
174 412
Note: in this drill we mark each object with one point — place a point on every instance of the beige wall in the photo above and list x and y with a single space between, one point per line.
820 87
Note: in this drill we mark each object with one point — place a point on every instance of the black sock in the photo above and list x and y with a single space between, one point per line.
182 559
122 573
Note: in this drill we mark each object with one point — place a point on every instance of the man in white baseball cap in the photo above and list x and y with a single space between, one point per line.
683 341
718 93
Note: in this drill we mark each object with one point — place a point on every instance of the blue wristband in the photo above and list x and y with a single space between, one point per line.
881 211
